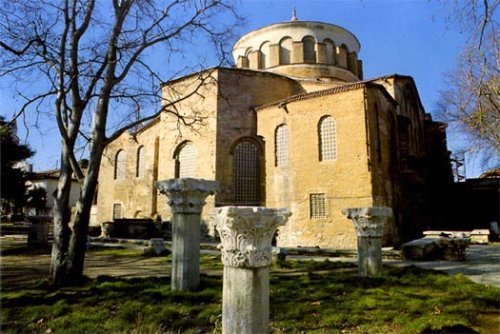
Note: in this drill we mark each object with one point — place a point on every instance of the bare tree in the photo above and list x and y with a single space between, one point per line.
92 60
471 101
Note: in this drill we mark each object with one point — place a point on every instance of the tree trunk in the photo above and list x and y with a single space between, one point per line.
78 242
62 232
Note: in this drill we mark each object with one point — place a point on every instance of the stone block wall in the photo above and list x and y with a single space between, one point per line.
345 181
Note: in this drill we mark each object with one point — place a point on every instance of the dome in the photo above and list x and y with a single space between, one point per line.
303 49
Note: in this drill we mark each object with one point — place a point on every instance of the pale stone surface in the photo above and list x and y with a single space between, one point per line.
246 234
245 300
369 223
436 248
156 247
186 198
187 195
479 236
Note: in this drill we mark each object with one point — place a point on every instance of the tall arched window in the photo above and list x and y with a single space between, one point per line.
309 50
120 164
140 168
185 160
246 173
281 146
327 139
285 51
330 51
264 55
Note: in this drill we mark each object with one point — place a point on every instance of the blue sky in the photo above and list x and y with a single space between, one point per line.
409 37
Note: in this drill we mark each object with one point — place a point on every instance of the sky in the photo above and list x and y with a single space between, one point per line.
408 37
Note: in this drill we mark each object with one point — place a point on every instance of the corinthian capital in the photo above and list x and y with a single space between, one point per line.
187 195
246 234
368 221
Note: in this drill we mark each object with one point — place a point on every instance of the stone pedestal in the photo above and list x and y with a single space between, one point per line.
186 198
246 234
369 223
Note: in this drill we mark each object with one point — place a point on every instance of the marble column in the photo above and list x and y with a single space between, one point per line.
246 234
369 223
186 198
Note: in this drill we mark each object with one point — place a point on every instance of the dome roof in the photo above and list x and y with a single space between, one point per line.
302 49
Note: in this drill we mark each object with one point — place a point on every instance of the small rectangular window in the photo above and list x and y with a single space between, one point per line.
117 211
317 206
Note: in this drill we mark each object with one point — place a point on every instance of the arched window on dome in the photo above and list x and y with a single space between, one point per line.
246 173
327 134
264 55
309 44
120 165
330 51
140 168
185 160
342 52
281 146
285 51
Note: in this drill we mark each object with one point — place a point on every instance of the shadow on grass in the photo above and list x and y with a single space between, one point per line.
320 297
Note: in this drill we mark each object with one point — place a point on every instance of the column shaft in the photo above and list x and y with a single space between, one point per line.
185 251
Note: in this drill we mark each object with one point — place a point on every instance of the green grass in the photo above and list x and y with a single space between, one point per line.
306 297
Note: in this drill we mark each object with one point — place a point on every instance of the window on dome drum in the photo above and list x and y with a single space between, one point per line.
309 50
264 55
246 173
327 139
285 51
117 211
120 165
317 206
330 51
281 146
141 162
185 161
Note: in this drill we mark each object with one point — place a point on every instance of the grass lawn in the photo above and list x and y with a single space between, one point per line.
305 297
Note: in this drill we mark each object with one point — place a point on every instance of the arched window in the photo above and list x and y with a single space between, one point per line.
330 51
120 164
246 173
285 51
140 168
281 146
342 56
185 160
327 139
264 55
309 50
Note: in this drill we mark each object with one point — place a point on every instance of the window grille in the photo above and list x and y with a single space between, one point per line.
327 139
317 206
117 211
141 162
246 174
120 164
186 161
309 51
282 146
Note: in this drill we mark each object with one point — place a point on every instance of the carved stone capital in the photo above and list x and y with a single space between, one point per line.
187 195
368 221
246 234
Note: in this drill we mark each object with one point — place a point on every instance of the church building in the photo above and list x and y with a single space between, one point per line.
293 124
